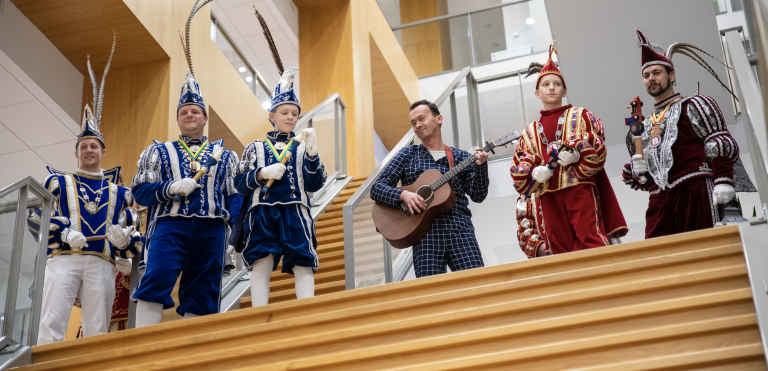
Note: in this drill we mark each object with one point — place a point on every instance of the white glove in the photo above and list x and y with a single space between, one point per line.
184 187
521 207
541 174
75 239
274 171
124 265
639 166
310 141
723 193
118 236
230 249
567 158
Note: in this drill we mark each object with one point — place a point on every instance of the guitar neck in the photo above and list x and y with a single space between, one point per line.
456 170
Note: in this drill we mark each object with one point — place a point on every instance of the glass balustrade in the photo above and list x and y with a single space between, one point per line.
496 33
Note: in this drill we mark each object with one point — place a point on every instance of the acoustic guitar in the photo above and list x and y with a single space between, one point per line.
401 228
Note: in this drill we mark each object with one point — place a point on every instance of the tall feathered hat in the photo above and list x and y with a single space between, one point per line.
284 92
652 54
548 68
190 91
89 128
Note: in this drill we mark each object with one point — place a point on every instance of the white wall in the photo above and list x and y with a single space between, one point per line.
601 61
23 43
40 97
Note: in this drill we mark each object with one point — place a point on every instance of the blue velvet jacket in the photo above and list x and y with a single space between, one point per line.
71 211
303 173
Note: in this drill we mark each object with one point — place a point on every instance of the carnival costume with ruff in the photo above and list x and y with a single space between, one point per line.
689 151
576 209
187 233
88 203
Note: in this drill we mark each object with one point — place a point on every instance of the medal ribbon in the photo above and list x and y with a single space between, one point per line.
279 156
193 155
655 119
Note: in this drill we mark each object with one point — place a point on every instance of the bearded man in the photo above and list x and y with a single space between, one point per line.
692 158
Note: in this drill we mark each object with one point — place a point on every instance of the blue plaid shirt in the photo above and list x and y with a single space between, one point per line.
413 160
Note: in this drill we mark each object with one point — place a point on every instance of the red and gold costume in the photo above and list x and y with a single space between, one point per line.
529 234
689 152
578 207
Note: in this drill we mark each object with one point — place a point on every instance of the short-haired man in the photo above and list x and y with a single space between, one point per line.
451 239
692 158
185 233
90 229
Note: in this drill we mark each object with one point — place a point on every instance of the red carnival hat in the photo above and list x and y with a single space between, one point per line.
652 54
550 67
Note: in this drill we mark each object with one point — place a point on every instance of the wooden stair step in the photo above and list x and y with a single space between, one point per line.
341 200
339 237
677 302
286 295
329 216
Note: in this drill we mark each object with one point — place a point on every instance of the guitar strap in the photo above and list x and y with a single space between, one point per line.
449 154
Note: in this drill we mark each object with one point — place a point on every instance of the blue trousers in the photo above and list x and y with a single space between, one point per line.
193 247
284 231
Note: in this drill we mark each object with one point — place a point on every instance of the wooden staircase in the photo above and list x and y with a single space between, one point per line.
674 303
330 249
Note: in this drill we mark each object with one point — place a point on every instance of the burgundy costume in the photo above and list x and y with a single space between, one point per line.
576 209
693 153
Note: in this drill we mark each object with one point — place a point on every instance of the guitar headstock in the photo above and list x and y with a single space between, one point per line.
635 121
503 140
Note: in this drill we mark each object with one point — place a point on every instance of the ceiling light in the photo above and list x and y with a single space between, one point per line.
529 21
248 78
241 69
266 105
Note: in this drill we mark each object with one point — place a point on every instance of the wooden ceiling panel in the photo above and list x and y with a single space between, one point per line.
93 33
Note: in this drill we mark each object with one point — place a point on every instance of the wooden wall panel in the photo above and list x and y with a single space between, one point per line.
218 129
422 44
335 49
135 112
390 104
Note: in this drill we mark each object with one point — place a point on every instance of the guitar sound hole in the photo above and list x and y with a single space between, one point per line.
426 193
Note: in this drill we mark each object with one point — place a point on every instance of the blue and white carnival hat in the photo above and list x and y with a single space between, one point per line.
190 91
284 92
190 94
89 128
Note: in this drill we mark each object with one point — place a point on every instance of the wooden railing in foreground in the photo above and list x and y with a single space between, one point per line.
679 302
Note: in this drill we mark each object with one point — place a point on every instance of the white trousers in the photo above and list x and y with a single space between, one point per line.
66 277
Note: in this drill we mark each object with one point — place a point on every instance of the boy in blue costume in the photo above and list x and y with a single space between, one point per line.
187 218
278 223
85 237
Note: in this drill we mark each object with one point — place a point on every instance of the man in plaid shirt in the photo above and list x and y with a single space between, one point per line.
450 240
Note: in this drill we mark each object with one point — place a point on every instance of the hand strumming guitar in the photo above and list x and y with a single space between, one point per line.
414 202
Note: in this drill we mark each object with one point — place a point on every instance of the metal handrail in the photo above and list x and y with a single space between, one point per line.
752 112
340 128
24 187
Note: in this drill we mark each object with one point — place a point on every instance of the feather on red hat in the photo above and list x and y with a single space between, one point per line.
550 67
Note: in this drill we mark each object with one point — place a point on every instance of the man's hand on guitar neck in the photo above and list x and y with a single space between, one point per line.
414 202
482 157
